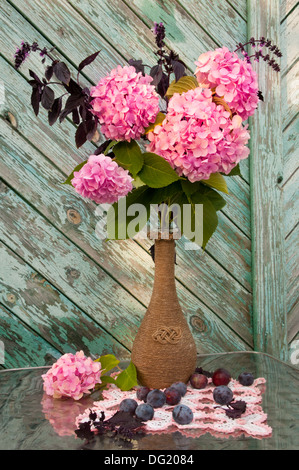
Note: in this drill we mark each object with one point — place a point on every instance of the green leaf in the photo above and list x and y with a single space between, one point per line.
109 147
210 219
216 181
168 194
190 188
137 182
235 171
129 156
159 119
182 85
108 362
157 172
71 176
127 379
215 198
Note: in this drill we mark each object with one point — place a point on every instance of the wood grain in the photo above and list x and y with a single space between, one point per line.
269 308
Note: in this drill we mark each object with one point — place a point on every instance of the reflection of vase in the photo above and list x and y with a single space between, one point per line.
164 350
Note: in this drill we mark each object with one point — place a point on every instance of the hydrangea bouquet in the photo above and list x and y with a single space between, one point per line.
169 137
190 126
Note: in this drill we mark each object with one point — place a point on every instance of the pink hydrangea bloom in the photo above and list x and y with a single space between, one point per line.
102 180
72 376
125 103
233 78
197 137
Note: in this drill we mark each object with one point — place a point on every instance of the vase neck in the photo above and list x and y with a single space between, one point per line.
164 264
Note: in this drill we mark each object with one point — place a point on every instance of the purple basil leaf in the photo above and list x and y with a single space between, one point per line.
75 116
91 127
35 99
74 101
73 88
33 75
139 67
102 147
64 114
233 414
239 405
81 135
156 72
88 60
163 85
62 72
178 69
47 98
55 111
49 72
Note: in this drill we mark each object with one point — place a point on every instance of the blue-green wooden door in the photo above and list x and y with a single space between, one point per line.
63 289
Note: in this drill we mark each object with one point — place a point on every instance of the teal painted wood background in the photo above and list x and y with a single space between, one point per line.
63 289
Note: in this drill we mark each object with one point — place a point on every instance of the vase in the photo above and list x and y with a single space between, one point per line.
164 350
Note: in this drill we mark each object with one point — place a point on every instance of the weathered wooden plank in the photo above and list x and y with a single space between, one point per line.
293 322
290 149
40 176
286 7
240 7
289 32
70 36
48 313
269 308
221 21
116 22
23 347
235 252
292 268
290 207
68 268
289 95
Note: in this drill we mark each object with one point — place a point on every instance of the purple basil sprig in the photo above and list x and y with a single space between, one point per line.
78 102
259 54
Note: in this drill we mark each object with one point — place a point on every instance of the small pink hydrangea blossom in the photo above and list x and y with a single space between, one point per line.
102 180
232 77
197 137
72 376
125 103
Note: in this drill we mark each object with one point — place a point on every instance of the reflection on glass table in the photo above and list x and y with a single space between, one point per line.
29 419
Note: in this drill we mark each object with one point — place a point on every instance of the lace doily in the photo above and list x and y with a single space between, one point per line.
208 416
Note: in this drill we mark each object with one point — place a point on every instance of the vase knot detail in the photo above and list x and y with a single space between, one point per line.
166 334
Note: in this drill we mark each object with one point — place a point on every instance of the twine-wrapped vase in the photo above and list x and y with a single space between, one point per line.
164 350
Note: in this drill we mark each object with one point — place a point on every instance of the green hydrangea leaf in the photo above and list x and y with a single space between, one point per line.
127 379
128 155
157 172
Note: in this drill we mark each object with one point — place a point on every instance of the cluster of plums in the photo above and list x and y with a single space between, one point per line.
172 395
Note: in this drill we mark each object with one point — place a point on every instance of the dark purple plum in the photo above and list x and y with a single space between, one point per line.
128 404
198 381
222 395
221 377
144 412
173 396
182 414
156 398
246 378
180 387
142 393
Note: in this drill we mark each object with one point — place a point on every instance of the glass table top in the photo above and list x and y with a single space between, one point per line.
31 420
